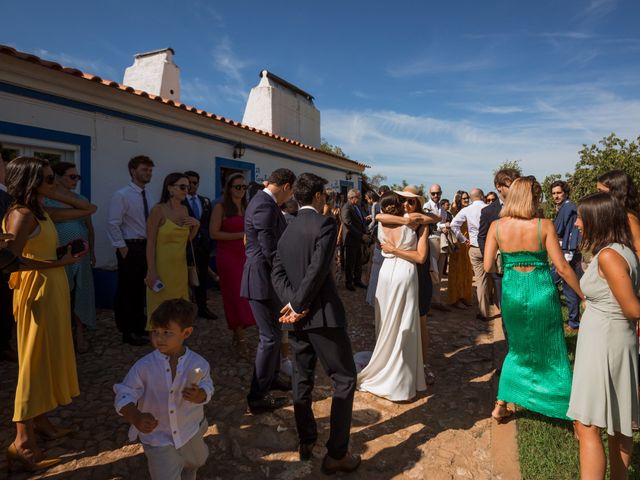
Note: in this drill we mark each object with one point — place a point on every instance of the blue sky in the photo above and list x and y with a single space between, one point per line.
427 91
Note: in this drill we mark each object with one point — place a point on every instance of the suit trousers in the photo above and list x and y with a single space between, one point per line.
7 322
171 463
497 284
131 293
333 347
267 364
483 287
571 297
353 263
202 265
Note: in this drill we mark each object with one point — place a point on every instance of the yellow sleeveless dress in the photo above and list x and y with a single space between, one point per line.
47 374
171 266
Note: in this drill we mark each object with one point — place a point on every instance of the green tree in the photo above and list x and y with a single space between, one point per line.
375 180
515 164
329 148
395 186
547 205
611 153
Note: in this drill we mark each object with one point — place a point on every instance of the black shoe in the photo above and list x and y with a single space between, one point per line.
361 285
305 450
133 339
281 384
348 463
206 313
350 287
266 404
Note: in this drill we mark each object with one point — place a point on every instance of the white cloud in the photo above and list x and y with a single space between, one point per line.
435 66
94 67
496 109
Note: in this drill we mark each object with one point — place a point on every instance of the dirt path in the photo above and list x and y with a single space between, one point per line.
445 433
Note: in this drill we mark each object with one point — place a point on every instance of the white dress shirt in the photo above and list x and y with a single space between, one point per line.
2 185
471 215
149 385
437 209
126 216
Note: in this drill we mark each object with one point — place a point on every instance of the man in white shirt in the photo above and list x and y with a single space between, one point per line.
471 215
436 258
127 231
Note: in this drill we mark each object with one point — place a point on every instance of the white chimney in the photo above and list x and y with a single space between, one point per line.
279 107
154 72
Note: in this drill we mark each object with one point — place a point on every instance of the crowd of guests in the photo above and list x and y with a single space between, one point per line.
280 248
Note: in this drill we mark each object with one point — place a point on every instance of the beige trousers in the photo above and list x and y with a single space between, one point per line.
483 279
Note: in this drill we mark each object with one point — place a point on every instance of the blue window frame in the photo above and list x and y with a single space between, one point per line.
221 163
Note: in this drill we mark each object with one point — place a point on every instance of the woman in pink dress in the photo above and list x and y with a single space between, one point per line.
227 227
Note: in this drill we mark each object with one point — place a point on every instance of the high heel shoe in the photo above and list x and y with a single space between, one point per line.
502 418
30 465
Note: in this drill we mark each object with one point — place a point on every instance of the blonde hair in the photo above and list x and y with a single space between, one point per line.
523 200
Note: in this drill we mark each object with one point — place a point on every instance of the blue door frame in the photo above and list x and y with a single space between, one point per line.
235 164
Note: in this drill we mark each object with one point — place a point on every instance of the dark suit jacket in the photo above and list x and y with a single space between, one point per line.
487 216
5 202
354 228
566 229
263 227
302 271
202 239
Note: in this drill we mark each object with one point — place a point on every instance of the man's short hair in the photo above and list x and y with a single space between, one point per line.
191 173
306 187
178 310
282 176
563 185
138 160
383 189
505 177
354 192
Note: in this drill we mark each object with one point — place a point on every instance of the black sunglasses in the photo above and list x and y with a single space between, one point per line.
410 201
436 193
239 187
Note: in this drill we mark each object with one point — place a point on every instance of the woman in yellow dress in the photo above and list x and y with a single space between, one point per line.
169 228
460 279
47 374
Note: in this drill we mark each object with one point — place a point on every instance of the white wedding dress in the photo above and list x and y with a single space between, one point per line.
396 370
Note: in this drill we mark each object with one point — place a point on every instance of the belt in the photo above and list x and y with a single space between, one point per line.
473 246
136 240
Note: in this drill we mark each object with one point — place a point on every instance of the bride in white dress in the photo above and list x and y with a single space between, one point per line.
396 369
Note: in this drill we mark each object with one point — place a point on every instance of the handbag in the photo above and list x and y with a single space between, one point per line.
449 242
192 270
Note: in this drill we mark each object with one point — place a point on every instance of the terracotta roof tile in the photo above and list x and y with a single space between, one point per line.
6 50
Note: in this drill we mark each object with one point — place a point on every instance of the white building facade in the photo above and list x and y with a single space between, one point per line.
64 114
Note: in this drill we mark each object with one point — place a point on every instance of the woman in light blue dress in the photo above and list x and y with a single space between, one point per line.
80 274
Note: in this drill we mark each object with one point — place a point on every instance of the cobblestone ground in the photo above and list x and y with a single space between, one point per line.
444 434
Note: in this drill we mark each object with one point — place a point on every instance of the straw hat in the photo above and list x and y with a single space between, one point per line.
410 191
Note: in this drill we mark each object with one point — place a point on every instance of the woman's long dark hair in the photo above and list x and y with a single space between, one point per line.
622 188
24 176
169 181
230 209
456 205
60 168
391 204
603 222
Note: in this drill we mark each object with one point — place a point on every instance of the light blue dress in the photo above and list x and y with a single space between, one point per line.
80 274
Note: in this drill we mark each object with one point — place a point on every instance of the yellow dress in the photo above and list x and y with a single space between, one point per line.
171 266
47 374
460 277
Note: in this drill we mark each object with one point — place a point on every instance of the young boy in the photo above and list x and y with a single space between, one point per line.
163 394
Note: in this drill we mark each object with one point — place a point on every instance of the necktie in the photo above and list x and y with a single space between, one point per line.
146 205
194 207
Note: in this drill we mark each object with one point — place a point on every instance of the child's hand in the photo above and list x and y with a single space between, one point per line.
194 394
145 422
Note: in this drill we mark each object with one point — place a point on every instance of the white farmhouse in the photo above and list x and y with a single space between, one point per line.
62 113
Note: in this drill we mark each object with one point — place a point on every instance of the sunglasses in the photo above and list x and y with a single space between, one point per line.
436 193
74 177
182 186
239 187
410 201
50 179
465 198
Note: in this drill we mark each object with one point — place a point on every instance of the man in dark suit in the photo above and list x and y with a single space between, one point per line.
502 181
354 233
6 294
264 224
199 207
315 317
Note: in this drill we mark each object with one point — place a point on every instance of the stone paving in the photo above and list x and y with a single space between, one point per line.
445 433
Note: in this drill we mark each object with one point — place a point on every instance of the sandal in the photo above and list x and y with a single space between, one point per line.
502 418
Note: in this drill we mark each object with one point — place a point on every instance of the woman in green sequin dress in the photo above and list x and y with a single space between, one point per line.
536 373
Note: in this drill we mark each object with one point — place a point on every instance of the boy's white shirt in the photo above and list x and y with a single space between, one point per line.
149 385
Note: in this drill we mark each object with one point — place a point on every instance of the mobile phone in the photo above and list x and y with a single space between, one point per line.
157 286
77 246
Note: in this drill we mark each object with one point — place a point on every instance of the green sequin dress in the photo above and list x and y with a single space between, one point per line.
536 373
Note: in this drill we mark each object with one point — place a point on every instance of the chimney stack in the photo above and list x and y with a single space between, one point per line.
154 72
